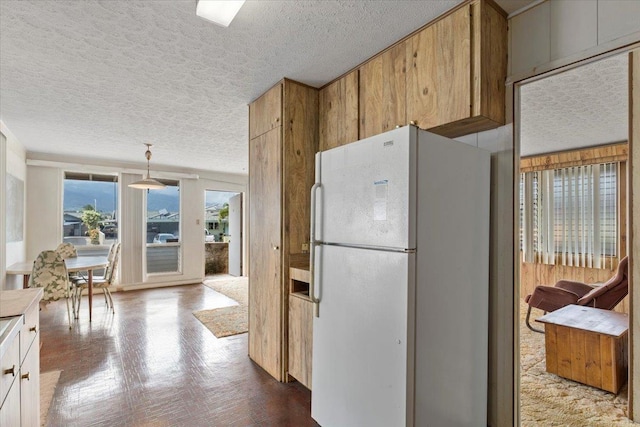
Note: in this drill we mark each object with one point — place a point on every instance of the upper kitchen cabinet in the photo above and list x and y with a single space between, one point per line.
283 141
265 113
383 91
456 71
339 112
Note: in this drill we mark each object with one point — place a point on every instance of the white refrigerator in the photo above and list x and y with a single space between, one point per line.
400 243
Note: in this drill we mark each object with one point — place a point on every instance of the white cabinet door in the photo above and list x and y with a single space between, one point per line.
10 410
30 388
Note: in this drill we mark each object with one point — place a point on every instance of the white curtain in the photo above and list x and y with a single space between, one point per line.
570 215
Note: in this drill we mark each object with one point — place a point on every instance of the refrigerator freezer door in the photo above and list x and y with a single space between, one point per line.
368 191
360 346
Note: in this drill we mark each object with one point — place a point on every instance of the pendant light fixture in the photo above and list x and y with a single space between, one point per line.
148 183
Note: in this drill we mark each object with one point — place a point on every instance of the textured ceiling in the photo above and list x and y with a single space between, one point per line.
100 78
582 107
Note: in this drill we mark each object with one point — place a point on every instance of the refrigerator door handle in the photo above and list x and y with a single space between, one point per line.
312 251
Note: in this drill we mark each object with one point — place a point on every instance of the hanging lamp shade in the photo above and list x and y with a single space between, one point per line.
148 183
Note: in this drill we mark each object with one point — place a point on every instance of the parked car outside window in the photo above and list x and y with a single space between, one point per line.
164 238
110 231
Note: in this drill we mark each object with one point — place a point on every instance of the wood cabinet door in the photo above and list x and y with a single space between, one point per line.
383 92
265 262
439 75
300 339
265 113
339 112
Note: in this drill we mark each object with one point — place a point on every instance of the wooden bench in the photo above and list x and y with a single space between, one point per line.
588 345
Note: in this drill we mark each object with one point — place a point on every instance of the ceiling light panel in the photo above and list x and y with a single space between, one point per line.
220 12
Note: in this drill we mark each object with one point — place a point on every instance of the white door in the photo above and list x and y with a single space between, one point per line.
368 191
360 347
235 235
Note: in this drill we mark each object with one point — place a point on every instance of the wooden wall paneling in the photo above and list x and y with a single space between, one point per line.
438 79
383 92
565 159
623 196
265 269
265 112
338 111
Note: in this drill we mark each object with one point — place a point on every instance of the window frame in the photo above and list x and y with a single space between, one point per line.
532 252
145 263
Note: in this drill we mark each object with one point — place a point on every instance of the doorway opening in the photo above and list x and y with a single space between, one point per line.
223 232
573 137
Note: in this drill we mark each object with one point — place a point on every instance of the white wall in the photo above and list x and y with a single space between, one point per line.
14 163
44 209
559 32
3 243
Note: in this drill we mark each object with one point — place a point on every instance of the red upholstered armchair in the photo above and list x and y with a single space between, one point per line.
565 292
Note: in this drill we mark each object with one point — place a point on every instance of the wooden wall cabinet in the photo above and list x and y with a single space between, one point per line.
457 70
383 91
281 173
448 78
339 112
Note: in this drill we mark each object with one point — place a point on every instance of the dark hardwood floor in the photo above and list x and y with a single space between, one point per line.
152 363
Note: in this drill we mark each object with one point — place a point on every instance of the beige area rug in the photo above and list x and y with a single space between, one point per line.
48 383
549 400
227 321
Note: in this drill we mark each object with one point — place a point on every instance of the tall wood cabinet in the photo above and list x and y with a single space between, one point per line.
283 132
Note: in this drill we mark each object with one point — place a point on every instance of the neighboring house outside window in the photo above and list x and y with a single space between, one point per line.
163 242
98 193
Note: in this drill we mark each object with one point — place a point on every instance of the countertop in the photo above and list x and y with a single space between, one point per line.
17 302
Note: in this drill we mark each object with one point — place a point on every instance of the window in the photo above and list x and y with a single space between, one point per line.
163 229
90 212
570 215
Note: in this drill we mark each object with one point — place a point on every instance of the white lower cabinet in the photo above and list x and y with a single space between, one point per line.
20 359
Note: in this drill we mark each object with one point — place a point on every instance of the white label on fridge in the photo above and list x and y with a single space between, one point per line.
380 200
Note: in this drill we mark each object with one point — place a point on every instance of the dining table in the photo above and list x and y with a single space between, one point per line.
74 265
